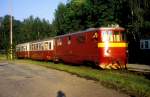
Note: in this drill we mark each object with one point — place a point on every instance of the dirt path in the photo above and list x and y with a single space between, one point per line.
37 81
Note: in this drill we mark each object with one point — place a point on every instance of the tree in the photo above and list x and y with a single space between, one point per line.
35 29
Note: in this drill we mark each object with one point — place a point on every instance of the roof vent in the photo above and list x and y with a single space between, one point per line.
113 25
90 29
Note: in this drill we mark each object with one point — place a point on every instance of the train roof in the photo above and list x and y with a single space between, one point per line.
87 30
46 39
90 30
26 43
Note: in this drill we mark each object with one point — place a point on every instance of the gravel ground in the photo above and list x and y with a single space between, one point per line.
38 81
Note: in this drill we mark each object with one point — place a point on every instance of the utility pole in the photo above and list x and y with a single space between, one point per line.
11 40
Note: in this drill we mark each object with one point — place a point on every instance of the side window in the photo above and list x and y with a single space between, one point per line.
17 49
59 41
69 40
22 48
146 44
117 36
81 39
46 46
110 36
36 46
33 47
50 46
104 36
30 47
25 48
39 44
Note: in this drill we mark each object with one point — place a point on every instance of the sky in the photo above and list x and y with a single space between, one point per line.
22 9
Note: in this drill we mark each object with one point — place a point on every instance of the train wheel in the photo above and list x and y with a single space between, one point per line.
56 60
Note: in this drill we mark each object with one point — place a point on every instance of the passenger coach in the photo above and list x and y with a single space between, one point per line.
42 50
37 50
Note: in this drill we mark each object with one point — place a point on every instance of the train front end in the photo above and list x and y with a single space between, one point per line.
112 48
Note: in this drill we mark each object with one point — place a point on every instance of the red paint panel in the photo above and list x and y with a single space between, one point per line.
41 55
116 54
22 54
78 52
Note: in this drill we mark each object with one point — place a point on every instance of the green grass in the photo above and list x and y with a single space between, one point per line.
124 81
2 57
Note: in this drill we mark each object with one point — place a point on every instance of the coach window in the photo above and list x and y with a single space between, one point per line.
42 46
39 46
30 47
22 48
34 47
17 49
25 48
49 45
69 40
46 46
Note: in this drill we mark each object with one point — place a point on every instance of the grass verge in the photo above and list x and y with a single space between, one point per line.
2 57
132 84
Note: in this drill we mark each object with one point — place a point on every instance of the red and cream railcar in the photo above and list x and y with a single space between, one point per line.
105 46
22 50
42 50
